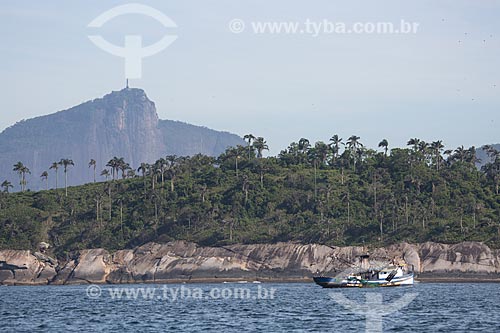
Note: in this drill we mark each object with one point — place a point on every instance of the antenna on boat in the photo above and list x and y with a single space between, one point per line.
126 84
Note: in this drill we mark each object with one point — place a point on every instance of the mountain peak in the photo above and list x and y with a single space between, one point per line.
123 123
129 94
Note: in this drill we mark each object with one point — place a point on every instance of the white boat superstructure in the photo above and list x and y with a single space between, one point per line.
391 275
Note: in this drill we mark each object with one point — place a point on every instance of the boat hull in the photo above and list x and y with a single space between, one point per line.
329 282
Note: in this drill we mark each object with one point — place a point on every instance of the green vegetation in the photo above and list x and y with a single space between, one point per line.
340 193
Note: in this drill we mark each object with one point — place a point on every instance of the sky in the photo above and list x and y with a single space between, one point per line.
441 82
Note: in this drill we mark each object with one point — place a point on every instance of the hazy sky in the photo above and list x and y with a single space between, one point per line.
441 83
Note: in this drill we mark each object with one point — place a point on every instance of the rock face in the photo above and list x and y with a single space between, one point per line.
123 124
31 270
184 261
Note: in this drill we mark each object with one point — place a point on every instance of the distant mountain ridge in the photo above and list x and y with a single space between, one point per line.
483 156
123 123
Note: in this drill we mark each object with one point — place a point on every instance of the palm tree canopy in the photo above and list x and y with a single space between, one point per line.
260 144
55 166
413 142
304 144
335 139
249 137
6 184
353 143
322 151
383 143
65 162
143 168
18 167
437 145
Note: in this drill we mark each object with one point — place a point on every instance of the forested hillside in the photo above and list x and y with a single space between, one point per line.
336 193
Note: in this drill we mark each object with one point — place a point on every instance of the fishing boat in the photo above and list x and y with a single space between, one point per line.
387 275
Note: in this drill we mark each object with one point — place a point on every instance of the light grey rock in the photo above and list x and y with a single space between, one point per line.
184 261
93 267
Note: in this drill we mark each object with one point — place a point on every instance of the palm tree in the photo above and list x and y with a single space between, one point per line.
385 144
45 176
353 143
437 147
471 157
448 153
290 154
335 145
93 163
25 171
172 169
303 147
314 158
114 164
322 151
161 167
234 152
17 168
22 170
105 173
460 154
413 142
66 162
260 144
55 166
249 138
354 147
124 167
419 150
144 168
6 185
423 148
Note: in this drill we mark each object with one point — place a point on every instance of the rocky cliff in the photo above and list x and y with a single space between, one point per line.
123 124
183 261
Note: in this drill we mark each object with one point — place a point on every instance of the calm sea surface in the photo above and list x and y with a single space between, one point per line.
248 307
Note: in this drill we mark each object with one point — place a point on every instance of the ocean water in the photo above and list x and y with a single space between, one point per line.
247 307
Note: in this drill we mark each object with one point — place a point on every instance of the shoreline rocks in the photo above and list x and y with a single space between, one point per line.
181 261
